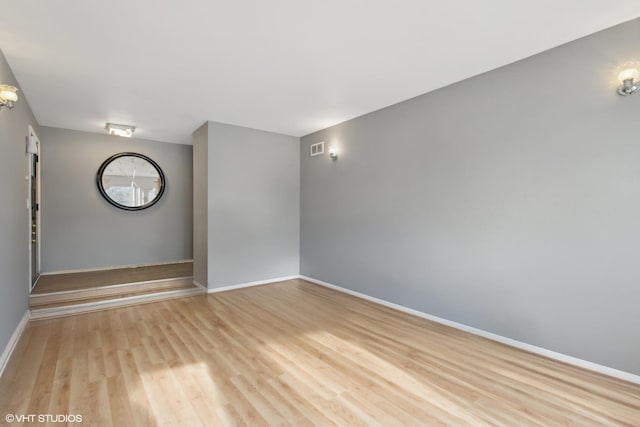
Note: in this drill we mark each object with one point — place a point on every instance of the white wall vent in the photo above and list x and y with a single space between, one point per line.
317 149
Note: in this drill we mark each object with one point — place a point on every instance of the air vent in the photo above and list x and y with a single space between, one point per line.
317 149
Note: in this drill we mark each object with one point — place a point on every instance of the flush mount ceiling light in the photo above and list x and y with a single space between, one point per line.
628 77
125 131
8 96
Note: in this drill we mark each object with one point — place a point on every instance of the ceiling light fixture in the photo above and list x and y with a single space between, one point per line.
628 77
124 131
8 96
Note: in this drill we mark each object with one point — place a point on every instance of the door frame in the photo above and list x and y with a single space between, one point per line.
32 139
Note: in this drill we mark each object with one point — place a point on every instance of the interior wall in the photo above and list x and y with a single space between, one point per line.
253 205
509 202
81 230
200 217
14 214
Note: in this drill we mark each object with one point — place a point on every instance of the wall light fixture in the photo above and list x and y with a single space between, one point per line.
8 96
333 153
628 77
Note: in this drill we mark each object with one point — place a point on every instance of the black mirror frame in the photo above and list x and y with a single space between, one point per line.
118 205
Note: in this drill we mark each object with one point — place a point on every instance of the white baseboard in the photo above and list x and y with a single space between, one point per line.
11 345
627 376
115 267
249 284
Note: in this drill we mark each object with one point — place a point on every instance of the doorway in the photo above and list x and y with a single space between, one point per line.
33 159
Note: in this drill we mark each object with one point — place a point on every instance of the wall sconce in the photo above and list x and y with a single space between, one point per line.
8 96
333 153
628 78
124 131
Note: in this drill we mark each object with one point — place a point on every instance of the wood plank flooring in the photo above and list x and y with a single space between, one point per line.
94 279
294 353
108 293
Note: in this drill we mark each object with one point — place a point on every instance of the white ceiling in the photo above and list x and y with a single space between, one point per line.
288 66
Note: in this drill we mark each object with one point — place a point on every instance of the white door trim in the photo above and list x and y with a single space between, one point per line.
32 138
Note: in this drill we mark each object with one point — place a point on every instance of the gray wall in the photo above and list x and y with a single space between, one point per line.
509 202
14 216
200 160
81 230
253 205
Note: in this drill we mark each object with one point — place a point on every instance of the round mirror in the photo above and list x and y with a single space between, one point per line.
131 181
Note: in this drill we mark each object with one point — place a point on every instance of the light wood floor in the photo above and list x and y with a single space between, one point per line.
297 354
94 279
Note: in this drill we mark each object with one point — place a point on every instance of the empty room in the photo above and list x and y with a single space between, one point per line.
244 213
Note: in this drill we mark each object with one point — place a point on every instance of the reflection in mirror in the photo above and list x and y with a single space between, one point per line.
131 181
